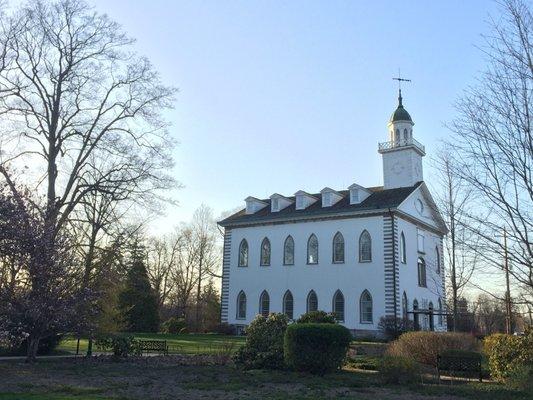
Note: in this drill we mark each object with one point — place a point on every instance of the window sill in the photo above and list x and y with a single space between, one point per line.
240 319
265 265
242 266
366 323
365 261
312 263
337 262
288 265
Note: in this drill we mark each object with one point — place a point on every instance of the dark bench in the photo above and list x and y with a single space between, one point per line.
159 346
464 362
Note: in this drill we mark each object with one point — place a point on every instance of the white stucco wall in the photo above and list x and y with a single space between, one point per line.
325 278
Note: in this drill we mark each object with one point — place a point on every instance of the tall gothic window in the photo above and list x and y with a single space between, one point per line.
405 135
288 304
338 248
421 272
264 304
288 251
241 305
312 301
404 306
365 247
365 304
243 253
265 252
437 259
338 306
403 256
312 250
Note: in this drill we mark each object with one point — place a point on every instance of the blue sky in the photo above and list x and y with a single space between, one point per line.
277 96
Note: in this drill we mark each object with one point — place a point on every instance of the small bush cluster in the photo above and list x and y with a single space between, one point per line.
509 357
46 346
316 347
398 370
263 348
224 329
120 345
392 327
174 325
424 347
317 317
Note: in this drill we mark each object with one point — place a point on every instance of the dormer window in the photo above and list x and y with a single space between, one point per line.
326 200
329 197
253 205
358 193
299 202
304 200
275 204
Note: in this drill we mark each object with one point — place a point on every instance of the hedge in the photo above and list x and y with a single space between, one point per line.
506 354
424 347
316 348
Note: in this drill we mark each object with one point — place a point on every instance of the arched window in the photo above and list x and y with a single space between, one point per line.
288 304
404 306
421 272
338 248
312 301
243 253
264 304
312 250
437 259
405 135
288 251
338 306
365 247
440 312
403 256
430 315
365 308
397 137
241 305
415 315
265 252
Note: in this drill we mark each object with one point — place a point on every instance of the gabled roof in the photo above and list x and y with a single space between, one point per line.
380 199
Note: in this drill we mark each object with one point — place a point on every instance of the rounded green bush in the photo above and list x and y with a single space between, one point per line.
317 317
316 348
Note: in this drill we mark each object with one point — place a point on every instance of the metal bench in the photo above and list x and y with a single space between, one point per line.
159 346
468 362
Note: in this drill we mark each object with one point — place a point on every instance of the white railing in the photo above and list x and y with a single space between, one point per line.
394 144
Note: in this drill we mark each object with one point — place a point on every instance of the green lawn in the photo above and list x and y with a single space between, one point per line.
178 344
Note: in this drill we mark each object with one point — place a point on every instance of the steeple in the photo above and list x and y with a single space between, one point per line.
402 154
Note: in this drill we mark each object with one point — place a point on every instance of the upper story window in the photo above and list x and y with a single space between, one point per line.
338 248
275 204
241 305
338 306
288 251
421 272
265 252
403 256
243 253
299 202
288 304
312 301
312 250
420 240
327 199
405 135
365 247
365 304
437 259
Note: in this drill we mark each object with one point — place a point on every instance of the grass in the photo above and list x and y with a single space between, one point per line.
178 344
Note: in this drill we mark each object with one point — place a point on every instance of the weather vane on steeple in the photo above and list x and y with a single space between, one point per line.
400 80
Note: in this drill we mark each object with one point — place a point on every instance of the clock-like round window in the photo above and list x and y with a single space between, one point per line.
419 206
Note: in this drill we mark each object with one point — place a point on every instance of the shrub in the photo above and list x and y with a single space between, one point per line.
392 327
174 325
317 317
521 378
264 343
316 348
507 354
225 329
424 347
120 345
398 370
46 346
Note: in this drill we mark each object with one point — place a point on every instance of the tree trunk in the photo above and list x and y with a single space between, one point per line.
33 346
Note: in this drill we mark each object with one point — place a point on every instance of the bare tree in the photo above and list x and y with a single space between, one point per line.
454 198
494 143
85 110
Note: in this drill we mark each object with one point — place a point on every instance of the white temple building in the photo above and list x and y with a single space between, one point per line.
359 252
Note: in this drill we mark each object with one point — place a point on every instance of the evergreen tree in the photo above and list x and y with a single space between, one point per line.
137 300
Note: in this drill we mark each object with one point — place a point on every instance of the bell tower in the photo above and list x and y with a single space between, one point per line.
402 154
